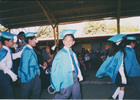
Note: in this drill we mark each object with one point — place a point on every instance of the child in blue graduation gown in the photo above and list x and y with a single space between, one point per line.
64 73
131 63
114 66
7 75
28 70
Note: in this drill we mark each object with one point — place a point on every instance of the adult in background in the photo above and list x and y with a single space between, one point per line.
92 61
19 46
20 41
28 70
47 55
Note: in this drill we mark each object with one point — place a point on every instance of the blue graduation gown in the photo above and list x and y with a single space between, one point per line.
110 66
3 53
61 71
28 67
131 64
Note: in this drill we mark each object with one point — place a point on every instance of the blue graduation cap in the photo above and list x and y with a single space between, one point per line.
30 34
131 38
8 35
65 32
117 38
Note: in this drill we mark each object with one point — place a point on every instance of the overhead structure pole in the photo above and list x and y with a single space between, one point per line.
57 31
118 16
46 14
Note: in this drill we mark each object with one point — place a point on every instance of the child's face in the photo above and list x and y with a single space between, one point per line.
32 42
45 64
9 43
133 45
68 41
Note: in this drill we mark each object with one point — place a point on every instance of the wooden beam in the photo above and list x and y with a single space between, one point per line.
13 9
50 12
21 16
118 16
26 22
45 12
57 32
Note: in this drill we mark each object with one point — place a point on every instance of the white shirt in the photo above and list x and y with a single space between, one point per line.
6 63
29 46
70 57
76 61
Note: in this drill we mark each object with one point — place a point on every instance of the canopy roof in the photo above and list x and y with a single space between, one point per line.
17 14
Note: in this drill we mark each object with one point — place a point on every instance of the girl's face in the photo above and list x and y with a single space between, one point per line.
133 45
32 42
68 41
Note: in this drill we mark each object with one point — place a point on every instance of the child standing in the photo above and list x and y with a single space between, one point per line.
45 74
7 75
28 70
65 71
114 65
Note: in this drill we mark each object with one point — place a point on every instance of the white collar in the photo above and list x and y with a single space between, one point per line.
29 46
5 47
66 48
128 46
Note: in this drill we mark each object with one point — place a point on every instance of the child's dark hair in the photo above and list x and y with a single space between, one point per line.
69 35
44 61
115 48
21 33
4 39
128 42
29 38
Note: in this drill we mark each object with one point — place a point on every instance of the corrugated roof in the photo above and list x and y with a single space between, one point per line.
17 14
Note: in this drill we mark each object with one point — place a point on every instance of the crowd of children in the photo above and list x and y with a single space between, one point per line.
35 70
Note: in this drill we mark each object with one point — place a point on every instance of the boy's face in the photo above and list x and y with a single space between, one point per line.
9 43
68 41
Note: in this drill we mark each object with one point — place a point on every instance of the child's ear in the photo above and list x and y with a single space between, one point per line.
73 42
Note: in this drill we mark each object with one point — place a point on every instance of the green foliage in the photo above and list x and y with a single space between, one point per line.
129 28
45 32
102 27
91 28
97 27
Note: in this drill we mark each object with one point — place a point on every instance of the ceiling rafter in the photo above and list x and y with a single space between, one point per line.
16 14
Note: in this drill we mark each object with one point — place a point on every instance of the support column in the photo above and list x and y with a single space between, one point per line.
118 17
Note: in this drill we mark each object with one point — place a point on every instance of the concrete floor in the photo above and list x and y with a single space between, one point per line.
95 88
